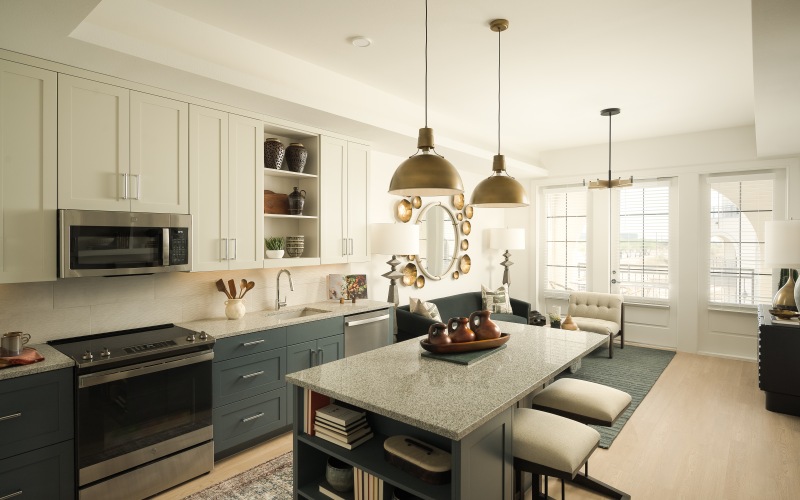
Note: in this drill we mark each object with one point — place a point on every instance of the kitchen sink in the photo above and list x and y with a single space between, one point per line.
297 313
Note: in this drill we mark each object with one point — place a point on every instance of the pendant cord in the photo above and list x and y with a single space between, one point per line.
426 63
609 150
498 92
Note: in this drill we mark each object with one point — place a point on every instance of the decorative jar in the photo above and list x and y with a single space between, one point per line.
296 155
273 153
339 475
234 308
297 199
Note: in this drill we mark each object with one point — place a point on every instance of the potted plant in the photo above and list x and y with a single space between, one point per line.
274 246
555 320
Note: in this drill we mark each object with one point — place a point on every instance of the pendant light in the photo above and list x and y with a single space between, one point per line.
499 190
605 184
426 173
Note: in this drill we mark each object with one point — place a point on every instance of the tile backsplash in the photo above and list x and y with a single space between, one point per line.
82 306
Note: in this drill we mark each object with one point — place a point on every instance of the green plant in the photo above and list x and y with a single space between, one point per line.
555 317
274 243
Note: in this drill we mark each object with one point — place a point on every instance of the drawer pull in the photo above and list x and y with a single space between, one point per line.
255 342
9 417
12 495
257 415
255 374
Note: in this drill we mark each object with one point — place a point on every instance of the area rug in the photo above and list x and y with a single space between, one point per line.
271 480
633 370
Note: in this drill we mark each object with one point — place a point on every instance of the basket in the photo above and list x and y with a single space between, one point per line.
276 203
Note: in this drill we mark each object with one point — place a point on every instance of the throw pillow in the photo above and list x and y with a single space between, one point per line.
496 301
425 309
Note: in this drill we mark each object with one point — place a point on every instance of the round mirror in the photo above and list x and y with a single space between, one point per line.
437 241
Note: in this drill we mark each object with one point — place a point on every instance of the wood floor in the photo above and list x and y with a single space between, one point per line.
701 433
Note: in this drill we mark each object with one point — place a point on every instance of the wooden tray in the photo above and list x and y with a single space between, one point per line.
477 345
276 203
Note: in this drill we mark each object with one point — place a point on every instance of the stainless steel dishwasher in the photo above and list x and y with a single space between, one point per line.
367 331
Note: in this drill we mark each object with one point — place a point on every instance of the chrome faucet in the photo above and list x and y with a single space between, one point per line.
278 302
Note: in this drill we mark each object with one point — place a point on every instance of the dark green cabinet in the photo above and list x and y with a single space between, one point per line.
37 425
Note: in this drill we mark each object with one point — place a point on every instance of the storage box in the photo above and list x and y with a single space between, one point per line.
423 461
276 203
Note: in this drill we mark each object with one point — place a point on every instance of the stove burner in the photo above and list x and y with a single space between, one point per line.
146 347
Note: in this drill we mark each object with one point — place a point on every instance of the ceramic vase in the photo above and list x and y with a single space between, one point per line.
339 475
273 153
234 308
484 328
459 331
297 199
296 155
437 334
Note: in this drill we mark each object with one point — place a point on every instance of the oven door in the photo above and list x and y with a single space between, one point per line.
135 414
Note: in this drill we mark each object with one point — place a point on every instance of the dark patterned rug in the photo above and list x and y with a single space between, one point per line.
270 480
633 370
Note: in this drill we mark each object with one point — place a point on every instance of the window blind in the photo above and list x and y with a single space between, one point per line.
565 247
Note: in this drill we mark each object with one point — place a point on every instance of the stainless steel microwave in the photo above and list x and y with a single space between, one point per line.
97 243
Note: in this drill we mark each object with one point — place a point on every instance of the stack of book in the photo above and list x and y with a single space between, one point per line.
342 426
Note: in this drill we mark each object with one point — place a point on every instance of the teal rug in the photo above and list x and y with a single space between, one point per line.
633 370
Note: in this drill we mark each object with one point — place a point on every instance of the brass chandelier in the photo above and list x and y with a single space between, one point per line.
426 173
610 183
499 190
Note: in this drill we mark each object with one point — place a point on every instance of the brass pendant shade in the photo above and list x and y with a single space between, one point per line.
426 173
499 190
610 183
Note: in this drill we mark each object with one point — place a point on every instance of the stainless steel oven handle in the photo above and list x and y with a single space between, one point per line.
9 417
12 495
165 243
257 415
141 369
366 321
254 374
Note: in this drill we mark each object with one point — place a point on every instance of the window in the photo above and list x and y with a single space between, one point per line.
643 241
565 260
739 209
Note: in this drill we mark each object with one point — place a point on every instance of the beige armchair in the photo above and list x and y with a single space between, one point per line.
600 313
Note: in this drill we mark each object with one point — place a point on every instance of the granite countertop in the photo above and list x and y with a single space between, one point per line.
444 398
264 320
53 360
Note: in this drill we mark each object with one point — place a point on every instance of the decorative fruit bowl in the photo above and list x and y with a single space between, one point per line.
456 347
783 313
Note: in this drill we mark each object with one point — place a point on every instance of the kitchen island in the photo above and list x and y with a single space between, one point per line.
465 410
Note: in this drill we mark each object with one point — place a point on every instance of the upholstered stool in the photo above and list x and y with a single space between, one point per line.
583 401
549 445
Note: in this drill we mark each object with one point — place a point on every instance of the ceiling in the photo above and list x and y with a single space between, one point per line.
673 67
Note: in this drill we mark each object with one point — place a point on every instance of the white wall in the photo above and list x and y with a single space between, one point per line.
689 324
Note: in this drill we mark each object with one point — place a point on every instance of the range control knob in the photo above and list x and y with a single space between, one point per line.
87 356
105 352
203 335
191 337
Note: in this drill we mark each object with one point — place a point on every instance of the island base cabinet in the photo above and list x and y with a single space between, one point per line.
487 449
44 473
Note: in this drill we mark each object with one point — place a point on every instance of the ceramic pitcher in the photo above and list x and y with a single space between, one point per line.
459 331
484 328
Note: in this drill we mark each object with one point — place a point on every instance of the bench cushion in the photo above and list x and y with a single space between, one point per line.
596 325
579 397
552 441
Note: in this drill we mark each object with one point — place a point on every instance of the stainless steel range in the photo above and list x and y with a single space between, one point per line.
143 410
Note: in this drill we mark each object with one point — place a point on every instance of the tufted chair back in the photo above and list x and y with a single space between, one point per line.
605 306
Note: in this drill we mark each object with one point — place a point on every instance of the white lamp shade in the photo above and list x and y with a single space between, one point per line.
509 238
394 239
782 244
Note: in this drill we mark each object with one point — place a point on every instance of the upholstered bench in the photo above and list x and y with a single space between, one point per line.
601 313
583 401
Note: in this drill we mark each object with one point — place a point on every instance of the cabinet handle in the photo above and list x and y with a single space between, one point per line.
254 342
351 246
235 248
125 186
255 374
9 417
321 355
12 495
257 415
225 241
312 356
138 187
344 246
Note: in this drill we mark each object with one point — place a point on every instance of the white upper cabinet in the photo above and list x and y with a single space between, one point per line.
159 154
120 150
343 191
27 173
226 200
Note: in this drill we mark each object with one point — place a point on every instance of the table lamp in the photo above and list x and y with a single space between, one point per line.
782 250
509 238
394 239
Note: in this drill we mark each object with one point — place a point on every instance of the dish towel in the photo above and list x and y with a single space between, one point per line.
27 356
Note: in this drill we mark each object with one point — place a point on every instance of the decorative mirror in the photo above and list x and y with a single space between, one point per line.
438 241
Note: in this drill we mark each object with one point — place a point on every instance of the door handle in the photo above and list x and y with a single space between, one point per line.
12 495
257 415
225 241
614 281
254 374
366 321
351 246
255 342
321 355
9 417
138 186
312 356
125 186
235 248
344 246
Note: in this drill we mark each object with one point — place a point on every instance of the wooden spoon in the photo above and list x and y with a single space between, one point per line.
232 288
242 288
221 288
250 286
